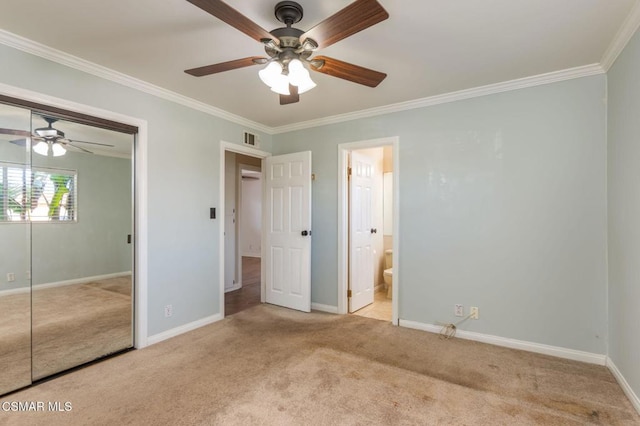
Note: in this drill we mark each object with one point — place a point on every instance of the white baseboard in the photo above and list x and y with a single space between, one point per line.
557 351
251 254
324 308
82 280
157 338
235 287
633 398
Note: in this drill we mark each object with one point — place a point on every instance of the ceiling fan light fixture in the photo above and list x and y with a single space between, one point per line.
299 76
58 150
41 148
282 86
271 75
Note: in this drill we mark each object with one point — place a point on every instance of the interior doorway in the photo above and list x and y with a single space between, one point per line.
243 232
368 248
370 243
241 214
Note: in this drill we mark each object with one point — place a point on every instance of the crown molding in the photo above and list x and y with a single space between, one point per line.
521 83
622 38
46 52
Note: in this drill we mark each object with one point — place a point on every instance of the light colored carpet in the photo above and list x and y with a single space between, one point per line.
269 365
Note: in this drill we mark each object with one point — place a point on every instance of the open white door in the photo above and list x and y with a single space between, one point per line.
288 231
360 232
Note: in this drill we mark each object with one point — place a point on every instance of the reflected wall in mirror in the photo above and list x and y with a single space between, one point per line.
15 282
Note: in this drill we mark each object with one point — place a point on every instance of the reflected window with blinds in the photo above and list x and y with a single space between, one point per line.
37 194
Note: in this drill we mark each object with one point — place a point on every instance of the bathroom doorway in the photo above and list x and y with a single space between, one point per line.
367 247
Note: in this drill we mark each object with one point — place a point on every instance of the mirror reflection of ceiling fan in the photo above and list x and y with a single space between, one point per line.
49 140
290 49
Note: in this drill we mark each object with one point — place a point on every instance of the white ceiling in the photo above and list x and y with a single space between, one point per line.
427 47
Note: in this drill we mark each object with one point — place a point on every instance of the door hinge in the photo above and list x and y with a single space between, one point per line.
349 171
348 293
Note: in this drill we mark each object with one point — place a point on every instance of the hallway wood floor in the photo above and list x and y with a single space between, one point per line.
249 295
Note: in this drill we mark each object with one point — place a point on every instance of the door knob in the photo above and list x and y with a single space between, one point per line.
305 233
374 231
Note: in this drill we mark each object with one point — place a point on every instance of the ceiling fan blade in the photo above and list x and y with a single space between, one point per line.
90 143
74 146
359 15
237 20
224 66
292 98
15 132
347 71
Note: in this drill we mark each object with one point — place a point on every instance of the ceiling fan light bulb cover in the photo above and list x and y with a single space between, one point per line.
282 87
41 148
304 83
271 74
299 76
58 150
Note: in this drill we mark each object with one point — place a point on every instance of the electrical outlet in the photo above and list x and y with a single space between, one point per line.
458 310
474 312
11 277
168 311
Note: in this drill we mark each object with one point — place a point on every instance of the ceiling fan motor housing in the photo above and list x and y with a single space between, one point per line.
288 12
49 133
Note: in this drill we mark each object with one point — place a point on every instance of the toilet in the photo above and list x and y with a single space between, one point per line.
388 272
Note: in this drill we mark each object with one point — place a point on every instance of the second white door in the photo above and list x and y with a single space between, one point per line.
361 265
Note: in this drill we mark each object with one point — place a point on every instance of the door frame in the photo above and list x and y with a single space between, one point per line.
251 152
343 219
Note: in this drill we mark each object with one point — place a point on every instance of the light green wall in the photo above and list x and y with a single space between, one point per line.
624 213
502 206
97 243
94 245
183 181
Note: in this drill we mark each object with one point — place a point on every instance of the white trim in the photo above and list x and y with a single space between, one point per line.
521 83
506 342
236 286
324 308
141 193
46 52
252 152
343 220
252 254
81 280
157 338
633 398
622 38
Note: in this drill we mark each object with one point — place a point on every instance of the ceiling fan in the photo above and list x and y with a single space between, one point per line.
51 141
290 49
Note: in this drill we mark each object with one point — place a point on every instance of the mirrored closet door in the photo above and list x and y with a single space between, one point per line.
15 251
67 221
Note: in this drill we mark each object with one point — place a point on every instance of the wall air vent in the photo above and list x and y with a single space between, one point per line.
251 139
